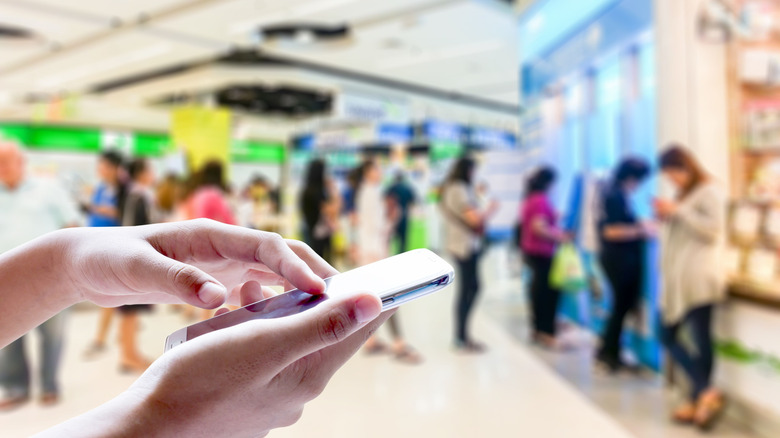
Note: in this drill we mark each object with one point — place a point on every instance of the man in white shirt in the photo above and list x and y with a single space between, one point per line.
29 208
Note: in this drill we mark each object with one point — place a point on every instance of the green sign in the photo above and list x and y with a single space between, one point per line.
250 151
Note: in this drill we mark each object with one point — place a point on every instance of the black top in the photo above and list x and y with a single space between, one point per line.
311 206
616 210
136 210
403 195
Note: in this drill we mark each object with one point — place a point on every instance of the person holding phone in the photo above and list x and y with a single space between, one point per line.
692 282
225 383
464 227
622 255
540 235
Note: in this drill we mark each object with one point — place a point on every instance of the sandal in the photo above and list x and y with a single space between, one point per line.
376 348
408 355
709 410
684 414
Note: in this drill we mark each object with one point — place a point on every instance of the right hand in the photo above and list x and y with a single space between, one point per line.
251 378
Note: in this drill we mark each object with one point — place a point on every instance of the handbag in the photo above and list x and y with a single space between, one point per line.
568 272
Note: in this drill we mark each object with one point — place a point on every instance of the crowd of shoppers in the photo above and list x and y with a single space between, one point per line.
373 212
691 227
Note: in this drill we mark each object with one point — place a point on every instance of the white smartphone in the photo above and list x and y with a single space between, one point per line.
396 280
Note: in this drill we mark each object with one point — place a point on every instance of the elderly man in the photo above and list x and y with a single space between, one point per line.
29 208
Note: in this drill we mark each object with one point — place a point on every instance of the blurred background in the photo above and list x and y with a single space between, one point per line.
324 120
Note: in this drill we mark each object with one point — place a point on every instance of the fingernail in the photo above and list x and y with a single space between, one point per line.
211 292
366 309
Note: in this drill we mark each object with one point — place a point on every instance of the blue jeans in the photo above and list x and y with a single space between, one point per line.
14 370
697 365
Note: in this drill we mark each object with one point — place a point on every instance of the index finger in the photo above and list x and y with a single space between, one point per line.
209 240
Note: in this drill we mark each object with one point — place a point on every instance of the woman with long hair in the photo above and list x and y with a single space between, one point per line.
540 237
319 205
692 282
464 225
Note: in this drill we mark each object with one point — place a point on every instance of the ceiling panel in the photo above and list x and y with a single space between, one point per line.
122 9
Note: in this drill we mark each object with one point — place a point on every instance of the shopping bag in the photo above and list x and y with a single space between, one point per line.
568 272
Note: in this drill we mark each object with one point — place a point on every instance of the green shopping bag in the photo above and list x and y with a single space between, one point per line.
568 272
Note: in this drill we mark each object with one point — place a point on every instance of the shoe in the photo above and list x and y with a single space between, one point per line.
137 366
709 410
684 414
11 403
94 350
408 356
470 347
49 399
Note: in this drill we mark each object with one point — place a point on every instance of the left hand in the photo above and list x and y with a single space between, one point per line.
196 262
665 208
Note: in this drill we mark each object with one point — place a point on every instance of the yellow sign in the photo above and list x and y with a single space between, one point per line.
203 134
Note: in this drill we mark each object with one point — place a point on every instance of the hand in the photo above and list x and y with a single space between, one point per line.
665 208
242 381
649 229
195 262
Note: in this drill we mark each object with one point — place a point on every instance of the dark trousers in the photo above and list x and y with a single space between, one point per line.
698 367
468 289
323 247
625 277
401 230
544 299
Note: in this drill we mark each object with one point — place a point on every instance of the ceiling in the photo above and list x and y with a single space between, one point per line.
468 47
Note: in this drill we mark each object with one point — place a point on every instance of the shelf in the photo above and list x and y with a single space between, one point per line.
764 294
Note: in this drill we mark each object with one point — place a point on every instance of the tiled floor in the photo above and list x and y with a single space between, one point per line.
511 391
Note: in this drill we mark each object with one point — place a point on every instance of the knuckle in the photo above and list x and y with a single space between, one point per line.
182 274
334 327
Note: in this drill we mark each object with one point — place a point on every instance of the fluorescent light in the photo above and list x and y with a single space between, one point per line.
103 66
440 55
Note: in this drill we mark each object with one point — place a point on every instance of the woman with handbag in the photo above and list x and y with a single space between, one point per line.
464 225
691 279
539 239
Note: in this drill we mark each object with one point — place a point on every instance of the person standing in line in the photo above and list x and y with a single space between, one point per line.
104 210
374 226
211 196
402 198
692 280
539 239
622 255
29 208
319 205
464 227
139 209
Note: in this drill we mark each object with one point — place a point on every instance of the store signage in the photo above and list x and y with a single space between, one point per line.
393 133
435 130
371 109
492 138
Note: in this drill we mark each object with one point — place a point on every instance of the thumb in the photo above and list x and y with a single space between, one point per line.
188 283
324 325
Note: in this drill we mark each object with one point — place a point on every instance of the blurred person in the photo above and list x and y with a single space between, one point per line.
464 226
692 283
623 238
373 228
104 210
166 196
30 208
139 209
211 196
240 381
402 198
319 205
540 235
348 211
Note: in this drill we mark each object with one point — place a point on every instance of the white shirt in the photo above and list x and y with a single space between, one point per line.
34 208
373 228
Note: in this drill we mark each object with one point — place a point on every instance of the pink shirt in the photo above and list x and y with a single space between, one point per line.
533 207
210 203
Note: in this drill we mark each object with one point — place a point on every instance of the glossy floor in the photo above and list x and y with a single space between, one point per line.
511 391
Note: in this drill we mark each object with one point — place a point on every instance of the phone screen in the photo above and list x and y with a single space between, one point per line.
396 280
286 304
